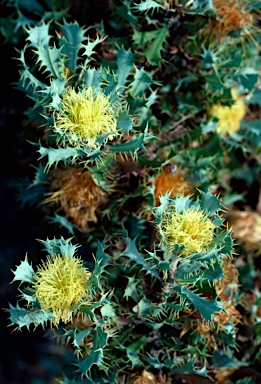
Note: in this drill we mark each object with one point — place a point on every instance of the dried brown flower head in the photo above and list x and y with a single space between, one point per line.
231 16
75 191
246 228
171 181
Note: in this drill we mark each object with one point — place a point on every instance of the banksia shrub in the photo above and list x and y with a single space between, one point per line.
144 119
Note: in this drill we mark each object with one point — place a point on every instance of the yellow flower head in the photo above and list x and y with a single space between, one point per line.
60 284
86 114
191 229
229 117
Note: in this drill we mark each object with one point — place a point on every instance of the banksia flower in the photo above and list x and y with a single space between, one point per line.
191 229
229 118
60 284
171 182
86 114
77 194
246 228
231 16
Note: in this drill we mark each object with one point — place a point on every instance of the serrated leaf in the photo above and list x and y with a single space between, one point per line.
153 51
24 317
133 145
93 78
124 122
143 308
60 246
72 43
39 36
108 312
57 154
64 222
133 254
96 355
51 59
205 307
248 80
189 368
124 60
79 336
210 203
255 98
89 48
142 81
147 5
131 289
101 261
24 272
54 91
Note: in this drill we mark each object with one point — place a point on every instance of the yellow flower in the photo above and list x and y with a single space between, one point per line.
60 284
229 117
86 115
191 229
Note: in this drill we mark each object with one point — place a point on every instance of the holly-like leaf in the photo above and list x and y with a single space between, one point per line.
147 5
142 81
124 122
51 59
38 36
24 272
72 43
144 307
206 307
24 318
60 246
124 60
96 356
210 203
133 254
156 38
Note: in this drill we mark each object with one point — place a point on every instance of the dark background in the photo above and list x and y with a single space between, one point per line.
27 356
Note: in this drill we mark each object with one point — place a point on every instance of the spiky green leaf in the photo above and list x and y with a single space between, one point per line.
205 307
60 246
24 272
24 318
71 43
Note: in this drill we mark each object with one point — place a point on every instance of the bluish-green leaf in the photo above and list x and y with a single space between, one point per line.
142 81
24 272
124 60
72 43
60 246
205 307
24 318
210 203
133 254
39 36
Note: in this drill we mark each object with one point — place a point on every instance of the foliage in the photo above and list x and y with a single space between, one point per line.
147 127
